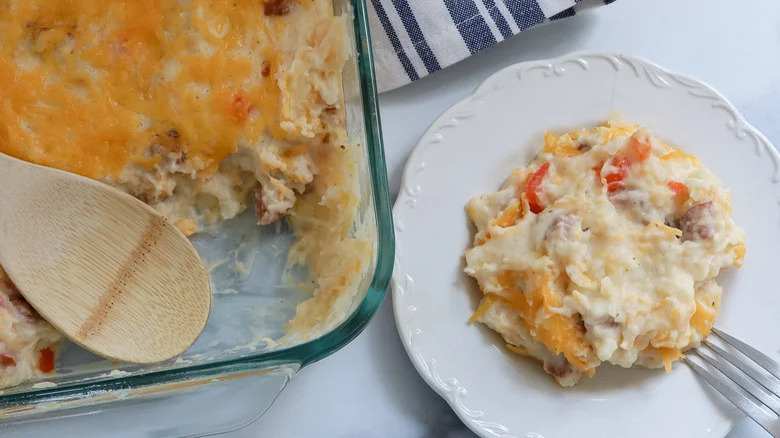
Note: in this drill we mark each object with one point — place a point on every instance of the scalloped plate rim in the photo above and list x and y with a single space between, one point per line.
413 158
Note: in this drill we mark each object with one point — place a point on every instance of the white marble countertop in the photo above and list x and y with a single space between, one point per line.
369 388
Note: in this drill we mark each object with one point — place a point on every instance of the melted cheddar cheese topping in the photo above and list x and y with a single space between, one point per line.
604 249
87 85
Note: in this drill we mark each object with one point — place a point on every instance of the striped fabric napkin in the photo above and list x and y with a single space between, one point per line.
414 38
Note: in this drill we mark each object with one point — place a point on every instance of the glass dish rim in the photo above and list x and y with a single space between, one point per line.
313 350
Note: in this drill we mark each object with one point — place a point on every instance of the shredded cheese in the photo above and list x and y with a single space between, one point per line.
562 146
87 86
517 350
559 333
704 317
484 305
669 355
677 154
674 232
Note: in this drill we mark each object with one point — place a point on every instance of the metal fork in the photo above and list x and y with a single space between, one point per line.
756 374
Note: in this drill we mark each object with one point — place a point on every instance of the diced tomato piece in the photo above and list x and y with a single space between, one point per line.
46 361
7 361
639 147
615 178
677 187
532 188
680 190
615 186
621 164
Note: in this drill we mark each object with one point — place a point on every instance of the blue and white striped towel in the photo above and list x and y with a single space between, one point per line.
413 38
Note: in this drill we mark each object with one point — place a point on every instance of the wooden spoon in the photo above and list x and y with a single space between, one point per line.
101 266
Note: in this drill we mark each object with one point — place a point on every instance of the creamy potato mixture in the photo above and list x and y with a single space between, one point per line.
27 343
605 248
199 108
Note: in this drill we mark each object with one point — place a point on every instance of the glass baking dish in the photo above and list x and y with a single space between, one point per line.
230 367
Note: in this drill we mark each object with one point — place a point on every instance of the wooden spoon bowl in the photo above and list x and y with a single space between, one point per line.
102 267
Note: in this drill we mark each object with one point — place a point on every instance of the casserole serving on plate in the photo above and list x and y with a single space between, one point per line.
493 389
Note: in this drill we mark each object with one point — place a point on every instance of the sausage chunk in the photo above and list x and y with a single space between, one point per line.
276 7
698 223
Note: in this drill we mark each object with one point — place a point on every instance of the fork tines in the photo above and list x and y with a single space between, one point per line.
756 373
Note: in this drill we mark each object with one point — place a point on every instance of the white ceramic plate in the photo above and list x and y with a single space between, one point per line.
471 149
